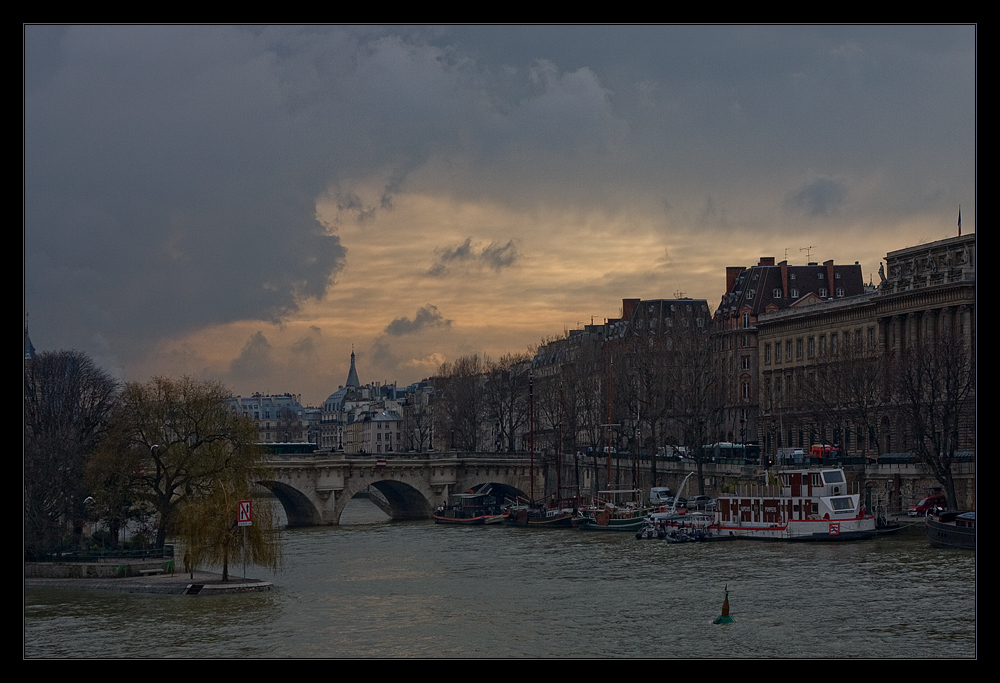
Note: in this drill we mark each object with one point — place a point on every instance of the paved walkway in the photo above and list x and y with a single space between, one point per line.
204 583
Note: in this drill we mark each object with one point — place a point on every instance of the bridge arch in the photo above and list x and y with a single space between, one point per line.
299 510
405 501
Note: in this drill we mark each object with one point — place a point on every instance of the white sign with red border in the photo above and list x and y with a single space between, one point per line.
245 515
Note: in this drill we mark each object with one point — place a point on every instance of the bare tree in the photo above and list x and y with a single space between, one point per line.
505 394
67 402
697 402
459 403
935 382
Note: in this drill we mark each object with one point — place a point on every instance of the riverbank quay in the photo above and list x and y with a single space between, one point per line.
203 583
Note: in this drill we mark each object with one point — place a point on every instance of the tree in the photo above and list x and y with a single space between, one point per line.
698 401
935 394
459 402
506 396
209 527
185 443
67 402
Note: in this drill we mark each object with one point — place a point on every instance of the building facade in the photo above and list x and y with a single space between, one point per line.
759 290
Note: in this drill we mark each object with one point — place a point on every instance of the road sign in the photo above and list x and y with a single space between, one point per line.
245 516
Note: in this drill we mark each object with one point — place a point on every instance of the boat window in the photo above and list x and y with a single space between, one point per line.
833 477
841 504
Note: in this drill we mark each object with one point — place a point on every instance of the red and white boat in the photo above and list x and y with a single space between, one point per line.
803 505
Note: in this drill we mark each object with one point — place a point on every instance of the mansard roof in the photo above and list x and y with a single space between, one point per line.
765 287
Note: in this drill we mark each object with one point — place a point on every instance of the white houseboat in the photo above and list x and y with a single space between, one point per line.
803 505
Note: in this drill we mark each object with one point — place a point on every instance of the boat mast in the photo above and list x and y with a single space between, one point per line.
531 432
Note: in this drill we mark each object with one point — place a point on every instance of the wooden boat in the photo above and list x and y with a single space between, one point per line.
479 507
952 529
539 517
805 505
615 510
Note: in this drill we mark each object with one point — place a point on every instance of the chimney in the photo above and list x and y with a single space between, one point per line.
628 305
829 277
766 261
784 279
732 272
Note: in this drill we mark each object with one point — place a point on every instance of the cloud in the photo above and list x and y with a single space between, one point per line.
256 360
494 255
427 316
821 197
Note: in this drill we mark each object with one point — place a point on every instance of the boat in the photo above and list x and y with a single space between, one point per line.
538 514
540 517
615 510
473 507
679 527
804 505
952 529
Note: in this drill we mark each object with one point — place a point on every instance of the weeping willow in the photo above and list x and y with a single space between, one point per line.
213 536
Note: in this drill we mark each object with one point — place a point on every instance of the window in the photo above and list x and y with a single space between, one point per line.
750 293
767 354
776 293
746 389
798 349
820 275
871 336
794 293
840 291
746 362
788 349
823 292
836 275
777 352
812 346
822 345
833 342
746 320
791 276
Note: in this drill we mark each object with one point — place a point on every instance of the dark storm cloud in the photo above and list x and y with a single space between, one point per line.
427 316
821 197
494 255
171 173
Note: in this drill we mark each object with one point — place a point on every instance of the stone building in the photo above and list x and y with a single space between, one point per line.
829 368
759 290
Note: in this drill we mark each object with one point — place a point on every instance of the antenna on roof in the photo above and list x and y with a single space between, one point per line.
678 294
808 251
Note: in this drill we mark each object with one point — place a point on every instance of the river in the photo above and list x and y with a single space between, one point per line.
372 588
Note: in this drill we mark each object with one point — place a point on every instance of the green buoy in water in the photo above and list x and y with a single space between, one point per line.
724 618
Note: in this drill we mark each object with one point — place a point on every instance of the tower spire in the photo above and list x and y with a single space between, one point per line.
352 376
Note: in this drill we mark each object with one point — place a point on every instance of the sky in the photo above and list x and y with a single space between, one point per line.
249 204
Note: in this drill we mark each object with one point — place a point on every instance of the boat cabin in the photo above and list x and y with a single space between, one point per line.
806 494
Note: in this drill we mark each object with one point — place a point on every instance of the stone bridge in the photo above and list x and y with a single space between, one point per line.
315 488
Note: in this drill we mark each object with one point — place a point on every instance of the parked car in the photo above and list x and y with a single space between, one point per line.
927 504
706 503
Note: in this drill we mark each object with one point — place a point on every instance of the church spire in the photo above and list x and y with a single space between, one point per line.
352 376
29 348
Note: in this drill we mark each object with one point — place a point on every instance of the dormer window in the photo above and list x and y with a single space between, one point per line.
776 293
819 275
823 292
